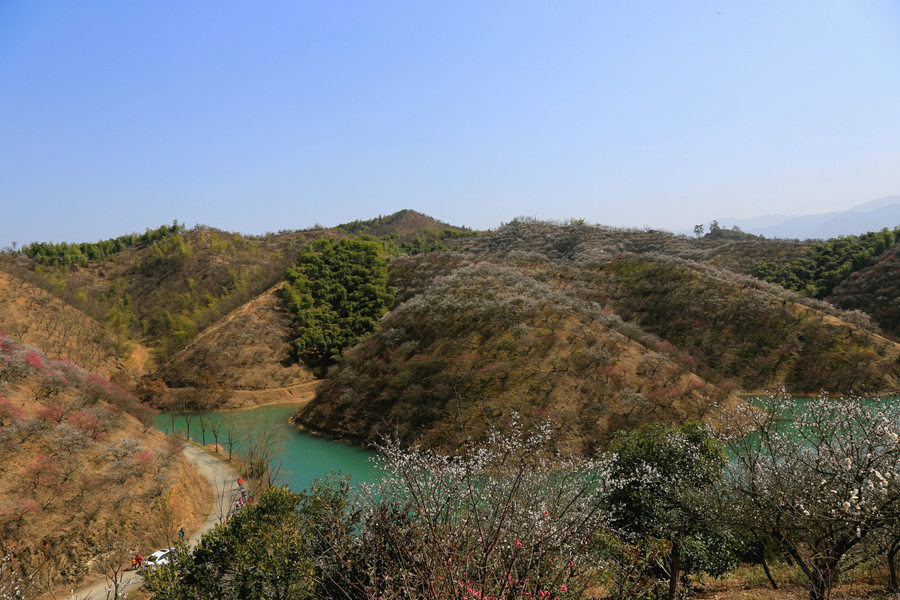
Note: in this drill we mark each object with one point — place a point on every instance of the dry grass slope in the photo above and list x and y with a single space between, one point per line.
36 317
85 483
249 349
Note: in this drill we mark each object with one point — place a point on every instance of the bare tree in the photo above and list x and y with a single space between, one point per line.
14 582
117 545
262 446
230 428
216 428
186 411
164 518
209 395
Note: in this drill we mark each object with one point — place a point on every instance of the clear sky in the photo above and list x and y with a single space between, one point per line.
260 116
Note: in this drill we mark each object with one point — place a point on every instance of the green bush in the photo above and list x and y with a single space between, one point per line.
667 501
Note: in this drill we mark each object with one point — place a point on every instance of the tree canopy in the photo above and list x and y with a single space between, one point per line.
825 265
338 291
668 477
48 253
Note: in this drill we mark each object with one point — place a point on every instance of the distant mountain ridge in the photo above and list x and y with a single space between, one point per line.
869 216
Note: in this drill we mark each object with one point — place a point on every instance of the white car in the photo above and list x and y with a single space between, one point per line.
160 557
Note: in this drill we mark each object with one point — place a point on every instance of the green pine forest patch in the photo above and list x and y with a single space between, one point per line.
338 291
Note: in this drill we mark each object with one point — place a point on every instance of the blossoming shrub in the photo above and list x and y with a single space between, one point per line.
9 412
17 363
503 519
820 478
13 583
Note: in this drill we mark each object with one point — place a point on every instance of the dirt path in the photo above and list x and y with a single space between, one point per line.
300 393
223 481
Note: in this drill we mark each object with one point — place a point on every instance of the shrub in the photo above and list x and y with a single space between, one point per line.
503 518
666 501
9 412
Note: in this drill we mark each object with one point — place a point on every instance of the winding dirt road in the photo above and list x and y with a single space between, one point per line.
225 491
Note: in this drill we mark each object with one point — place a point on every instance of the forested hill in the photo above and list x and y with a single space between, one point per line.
600 329
150 295
419 325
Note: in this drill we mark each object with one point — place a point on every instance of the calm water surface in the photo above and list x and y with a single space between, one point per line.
306 457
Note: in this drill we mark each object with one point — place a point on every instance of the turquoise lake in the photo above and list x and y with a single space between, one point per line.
305 457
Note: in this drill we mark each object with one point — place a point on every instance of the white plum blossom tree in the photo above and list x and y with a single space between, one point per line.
506 518
819 477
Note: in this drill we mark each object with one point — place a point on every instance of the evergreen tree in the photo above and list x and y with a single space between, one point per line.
338 291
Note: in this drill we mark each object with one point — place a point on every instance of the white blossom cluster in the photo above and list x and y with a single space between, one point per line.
820 476
511 293
501 518
13 586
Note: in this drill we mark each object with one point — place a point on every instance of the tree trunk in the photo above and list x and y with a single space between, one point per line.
821 578
762 556
762 559
675 570
892 566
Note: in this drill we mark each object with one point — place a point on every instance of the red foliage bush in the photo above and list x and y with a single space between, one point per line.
87 423
41 470
17 508
50 414
9 411
34 359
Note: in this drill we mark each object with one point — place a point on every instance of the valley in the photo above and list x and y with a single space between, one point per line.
399 327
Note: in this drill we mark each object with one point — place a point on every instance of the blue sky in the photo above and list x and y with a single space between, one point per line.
260 116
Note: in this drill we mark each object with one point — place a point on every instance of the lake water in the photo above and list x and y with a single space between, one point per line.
305 458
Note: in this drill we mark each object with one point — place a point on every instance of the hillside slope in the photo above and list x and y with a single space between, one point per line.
248 349
165 287
875 290
598 329
36 317
746 331
525 312
492 338
86 481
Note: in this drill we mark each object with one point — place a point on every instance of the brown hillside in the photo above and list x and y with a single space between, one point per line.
596 327
85 484
249 349
741 331
40 319
206 303
403 225
874 289
164 293
579 241
732 326
490 339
